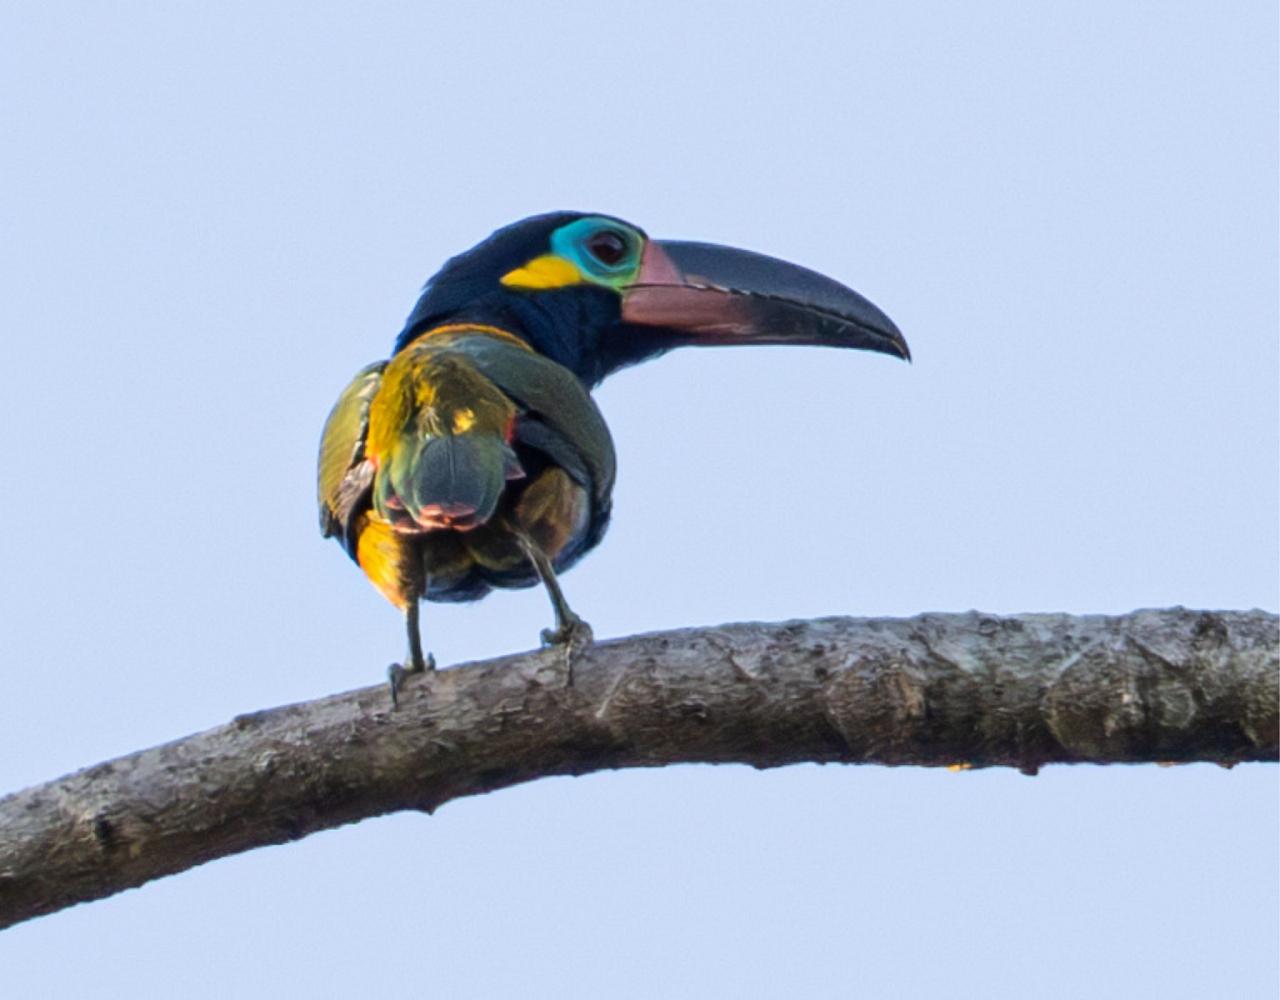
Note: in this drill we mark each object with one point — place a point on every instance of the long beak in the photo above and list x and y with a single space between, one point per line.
707 294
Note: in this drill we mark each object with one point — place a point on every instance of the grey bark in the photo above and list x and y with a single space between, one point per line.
975 689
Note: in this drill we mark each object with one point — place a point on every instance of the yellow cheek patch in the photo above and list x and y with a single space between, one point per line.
547 271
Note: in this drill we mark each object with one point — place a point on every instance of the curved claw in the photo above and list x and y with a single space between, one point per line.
573 631
572 634
396 674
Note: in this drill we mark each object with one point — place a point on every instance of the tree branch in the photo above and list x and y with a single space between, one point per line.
1020 691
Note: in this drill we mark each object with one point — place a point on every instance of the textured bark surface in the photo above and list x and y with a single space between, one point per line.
1019 691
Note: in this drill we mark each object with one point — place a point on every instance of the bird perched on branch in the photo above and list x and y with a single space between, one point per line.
475 457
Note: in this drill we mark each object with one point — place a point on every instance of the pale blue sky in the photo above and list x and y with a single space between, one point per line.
213 216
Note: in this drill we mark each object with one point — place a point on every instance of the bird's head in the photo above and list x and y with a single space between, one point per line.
595 293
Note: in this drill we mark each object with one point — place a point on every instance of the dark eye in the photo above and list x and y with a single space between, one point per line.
608 246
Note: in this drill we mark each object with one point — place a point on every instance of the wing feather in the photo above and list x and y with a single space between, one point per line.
344 477
555 396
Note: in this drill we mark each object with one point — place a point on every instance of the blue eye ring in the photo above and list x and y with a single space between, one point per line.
604 250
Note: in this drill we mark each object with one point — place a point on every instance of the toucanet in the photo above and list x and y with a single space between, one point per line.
475 456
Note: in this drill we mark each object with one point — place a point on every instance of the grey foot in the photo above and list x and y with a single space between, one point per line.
572 632
396 674
573 635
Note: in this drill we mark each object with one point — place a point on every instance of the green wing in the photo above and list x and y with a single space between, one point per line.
343 475
555 397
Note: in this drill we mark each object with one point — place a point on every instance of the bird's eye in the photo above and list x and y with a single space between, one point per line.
608 246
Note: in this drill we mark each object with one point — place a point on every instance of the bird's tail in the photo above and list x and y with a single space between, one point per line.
455 480
439 436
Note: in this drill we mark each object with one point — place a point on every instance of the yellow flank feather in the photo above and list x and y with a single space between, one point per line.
553 511
385 558
547 271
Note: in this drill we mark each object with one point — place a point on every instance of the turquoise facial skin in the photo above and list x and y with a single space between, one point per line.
571 242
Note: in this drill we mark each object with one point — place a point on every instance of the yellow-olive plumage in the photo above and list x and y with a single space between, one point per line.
465 462
475 457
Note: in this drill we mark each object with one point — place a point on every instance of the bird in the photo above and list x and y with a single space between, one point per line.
474 456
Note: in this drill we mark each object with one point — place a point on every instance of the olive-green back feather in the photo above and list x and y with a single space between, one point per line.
556 397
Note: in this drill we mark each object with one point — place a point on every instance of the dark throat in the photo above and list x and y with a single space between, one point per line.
577 327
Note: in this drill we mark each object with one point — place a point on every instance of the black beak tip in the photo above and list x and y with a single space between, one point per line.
774 301
904 352
879 332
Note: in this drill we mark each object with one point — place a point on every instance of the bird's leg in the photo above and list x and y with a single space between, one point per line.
417 663
570 629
